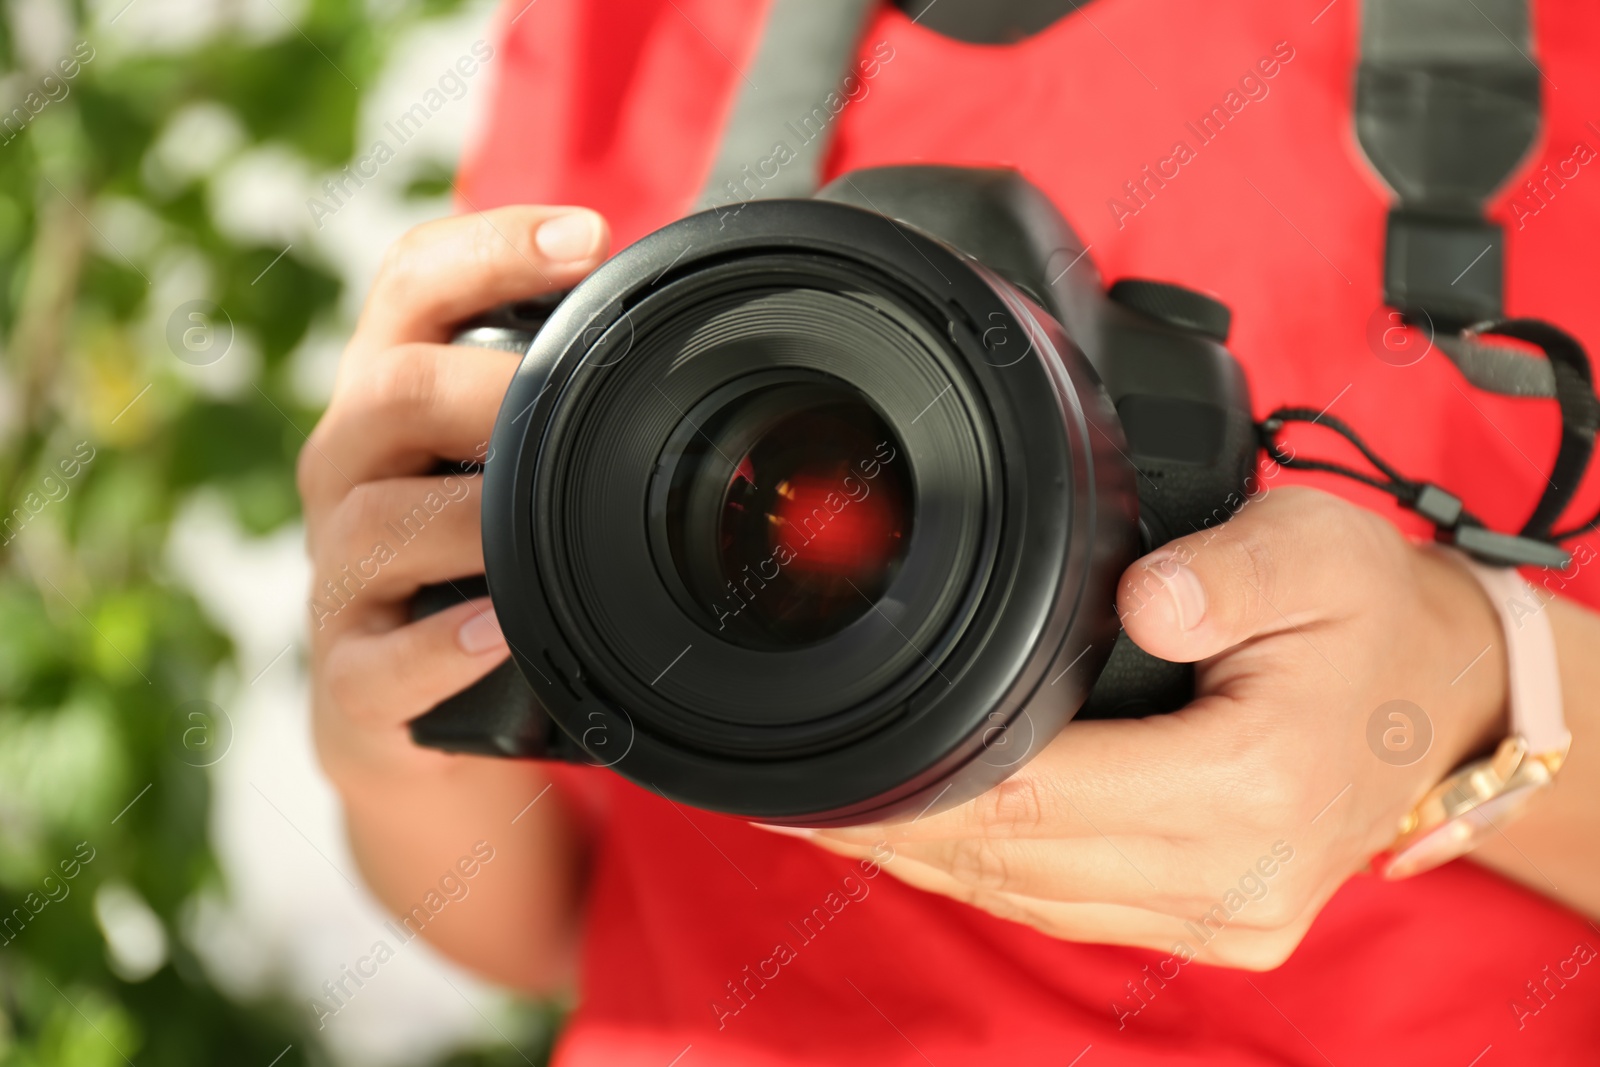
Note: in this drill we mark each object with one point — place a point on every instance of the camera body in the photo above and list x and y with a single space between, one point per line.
812 511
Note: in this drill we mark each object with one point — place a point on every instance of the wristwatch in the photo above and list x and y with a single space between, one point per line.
1481 796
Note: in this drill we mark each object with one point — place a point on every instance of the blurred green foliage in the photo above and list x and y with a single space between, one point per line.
97 652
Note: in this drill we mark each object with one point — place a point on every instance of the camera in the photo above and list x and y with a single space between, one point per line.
812 511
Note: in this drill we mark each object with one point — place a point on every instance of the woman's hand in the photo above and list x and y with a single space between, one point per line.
380 523
1226 826
404 402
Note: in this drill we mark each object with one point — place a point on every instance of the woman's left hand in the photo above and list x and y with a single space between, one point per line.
1219 831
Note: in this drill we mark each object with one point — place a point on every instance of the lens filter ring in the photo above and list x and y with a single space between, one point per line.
816 329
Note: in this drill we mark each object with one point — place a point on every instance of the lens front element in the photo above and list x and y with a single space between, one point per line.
789 511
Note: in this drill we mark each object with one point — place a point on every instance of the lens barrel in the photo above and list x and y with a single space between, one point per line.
806 516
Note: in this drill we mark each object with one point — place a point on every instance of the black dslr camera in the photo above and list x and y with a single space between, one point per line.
813 511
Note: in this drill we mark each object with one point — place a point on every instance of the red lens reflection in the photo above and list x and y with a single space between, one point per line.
835 533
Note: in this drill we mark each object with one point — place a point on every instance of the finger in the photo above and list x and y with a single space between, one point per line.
1118 924
448 270
1094 870
386 539
390 678
1093 778
1193 879
417 405
1292 559
1196 939
1179 939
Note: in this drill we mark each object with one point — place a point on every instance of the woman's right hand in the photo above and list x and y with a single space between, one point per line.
380 524
404 402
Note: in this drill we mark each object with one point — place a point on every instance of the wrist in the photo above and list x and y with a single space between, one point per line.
1473 715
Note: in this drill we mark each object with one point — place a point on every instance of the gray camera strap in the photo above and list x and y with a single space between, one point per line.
782 123
1447 105
783 119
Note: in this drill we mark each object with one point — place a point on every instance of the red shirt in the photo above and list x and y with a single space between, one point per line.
617 104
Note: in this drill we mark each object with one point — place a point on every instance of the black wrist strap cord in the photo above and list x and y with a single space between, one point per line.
1537 543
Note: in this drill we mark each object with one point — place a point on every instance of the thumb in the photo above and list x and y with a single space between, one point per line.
1290 558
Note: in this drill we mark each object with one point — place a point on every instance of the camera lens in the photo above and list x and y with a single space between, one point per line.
787 518
770 507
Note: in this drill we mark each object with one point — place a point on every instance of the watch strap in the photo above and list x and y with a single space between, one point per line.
1533 677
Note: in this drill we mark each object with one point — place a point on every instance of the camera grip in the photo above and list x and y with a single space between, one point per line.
1135 683
1185 409
498 715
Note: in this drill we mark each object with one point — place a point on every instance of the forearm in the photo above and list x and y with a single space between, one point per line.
516 921
1554 849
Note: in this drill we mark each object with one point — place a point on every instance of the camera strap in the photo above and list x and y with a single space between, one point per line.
783 119
988 21
782 122
1447 105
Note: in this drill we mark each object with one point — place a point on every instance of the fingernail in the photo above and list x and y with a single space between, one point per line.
1183 585
481 633
569 238
787 831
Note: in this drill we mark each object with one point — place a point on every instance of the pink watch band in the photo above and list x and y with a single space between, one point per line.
1533 676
